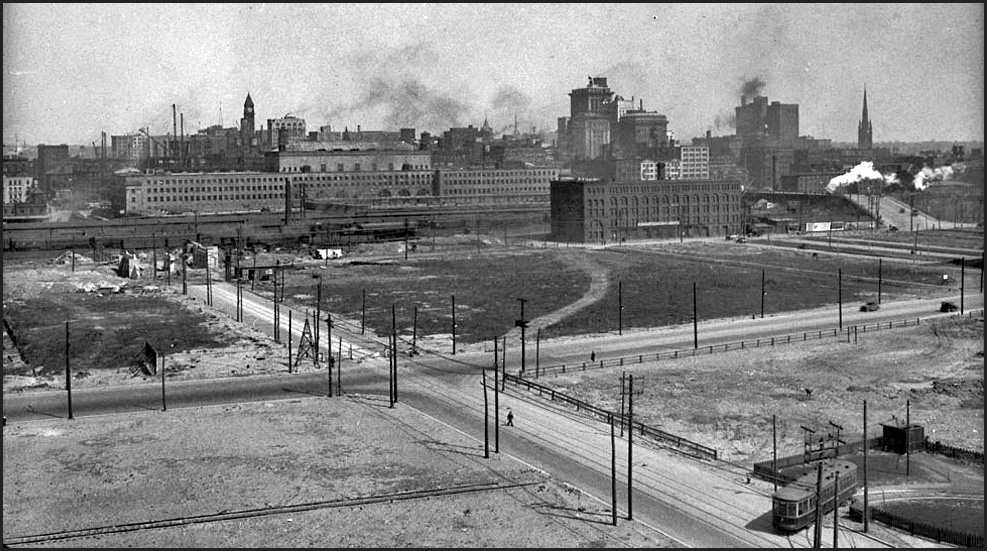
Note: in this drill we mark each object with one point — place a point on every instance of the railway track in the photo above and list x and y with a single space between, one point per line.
223 516
269 228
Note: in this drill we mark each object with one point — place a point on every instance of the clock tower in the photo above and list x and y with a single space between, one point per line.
247 122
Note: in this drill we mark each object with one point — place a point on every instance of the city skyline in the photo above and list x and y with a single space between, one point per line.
72 71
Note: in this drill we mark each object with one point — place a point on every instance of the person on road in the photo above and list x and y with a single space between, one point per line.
510 418
592 356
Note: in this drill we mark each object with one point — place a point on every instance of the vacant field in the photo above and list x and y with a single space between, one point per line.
485 288
107 320
344 472
654 286
725 401
958 239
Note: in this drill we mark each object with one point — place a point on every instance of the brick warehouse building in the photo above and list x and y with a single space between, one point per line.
589 210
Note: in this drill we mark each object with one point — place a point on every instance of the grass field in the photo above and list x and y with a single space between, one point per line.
653 285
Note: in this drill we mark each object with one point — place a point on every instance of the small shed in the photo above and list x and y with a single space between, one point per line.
896 436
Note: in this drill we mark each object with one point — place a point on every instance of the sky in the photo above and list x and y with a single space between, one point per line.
72 71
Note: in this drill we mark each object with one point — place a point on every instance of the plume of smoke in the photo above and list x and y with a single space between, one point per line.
928 176
863 171
752 87
510 99
725 121
509 102
394 93
405 103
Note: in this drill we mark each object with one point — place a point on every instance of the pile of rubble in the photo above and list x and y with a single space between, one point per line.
68 257
102 287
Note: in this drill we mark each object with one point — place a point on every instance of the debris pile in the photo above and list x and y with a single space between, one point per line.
102 287
67 258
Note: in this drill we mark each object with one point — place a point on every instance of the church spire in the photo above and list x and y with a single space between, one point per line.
864 114
865 131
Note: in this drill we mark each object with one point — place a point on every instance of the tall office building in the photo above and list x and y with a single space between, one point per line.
589 120
776 123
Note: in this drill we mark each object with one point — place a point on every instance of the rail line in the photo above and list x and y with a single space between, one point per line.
261 512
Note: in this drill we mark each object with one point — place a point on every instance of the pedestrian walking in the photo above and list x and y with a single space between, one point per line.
510 418
592 356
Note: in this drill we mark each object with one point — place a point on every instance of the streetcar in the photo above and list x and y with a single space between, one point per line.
793 506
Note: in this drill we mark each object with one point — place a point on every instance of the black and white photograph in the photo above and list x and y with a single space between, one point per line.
450 275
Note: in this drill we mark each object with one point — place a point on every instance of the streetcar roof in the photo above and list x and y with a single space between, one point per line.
805 485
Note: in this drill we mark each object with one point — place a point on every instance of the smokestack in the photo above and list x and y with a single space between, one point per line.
743 100
642 104
181 142
174 124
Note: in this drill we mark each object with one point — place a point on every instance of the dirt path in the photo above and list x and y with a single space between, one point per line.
599 283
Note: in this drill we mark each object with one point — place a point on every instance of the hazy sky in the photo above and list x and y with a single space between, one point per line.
74 70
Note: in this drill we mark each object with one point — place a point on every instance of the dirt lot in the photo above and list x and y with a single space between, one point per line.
299 471
200 462
727 400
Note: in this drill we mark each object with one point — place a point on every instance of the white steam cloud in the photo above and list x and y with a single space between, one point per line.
928 176
861 172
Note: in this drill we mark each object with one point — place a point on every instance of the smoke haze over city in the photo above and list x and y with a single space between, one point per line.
72 71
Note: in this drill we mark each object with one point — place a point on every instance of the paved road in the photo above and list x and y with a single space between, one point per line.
701 504
896 212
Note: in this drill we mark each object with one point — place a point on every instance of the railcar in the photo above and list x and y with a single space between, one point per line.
794 505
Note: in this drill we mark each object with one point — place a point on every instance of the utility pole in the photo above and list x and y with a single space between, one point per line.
880 265
522 323
394 356
762 294
363 316
68 370
277 307
318 314
836 507
329 361
208 284
537 351
840 292
695 318
866 445
154 260
486 417
774 451
453 325
414 333
613 474
329 342
239 293
816 544
164 406
908 445
496 403
623 377
962 280
620 307
630 445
